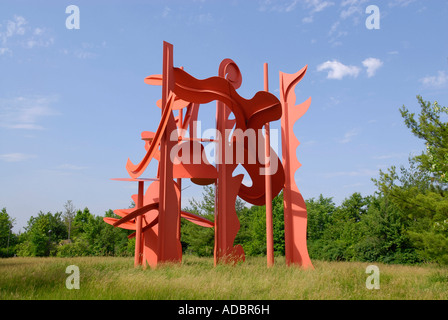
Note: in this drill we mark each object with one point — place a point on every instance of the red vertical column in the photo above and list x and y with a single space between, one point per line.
138 233
268 183
227 186
179 180
169 247
221 185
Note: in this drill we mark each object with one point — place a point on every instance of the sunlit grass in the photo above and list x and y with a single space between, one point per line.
197 279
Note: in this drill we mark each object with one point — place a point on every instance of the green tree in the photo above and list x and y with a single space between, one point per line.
42 234
104 239
81 220
254 223
196 239
252 234
8 239
385 237
79 246
92 236
69 215
199 240
352 231
319 212
278 222
430 128
420 191
423 208
344 229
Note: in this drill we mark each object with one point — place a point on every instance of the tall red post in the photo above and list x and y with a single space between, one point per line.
227 186
221 184
169 247
268 183
138 231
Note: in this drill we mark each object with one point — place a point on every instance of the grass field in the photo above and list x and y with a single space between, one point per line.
197 279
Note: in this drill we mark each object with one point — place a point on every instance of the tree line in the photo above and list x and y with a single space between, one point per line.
47 234
405 221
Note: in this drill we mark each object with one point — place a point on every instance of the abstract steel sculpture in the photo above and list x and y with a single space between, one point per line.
156 216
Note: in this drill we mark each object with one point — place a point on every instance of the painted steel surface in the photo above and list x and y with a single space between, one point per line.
179 152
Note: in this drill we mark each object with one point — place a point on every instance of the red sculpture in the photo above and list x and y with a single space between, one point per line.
156 216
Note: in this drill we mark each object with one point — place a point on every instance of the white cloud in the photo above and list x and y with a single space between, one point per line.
314 6
349 3
337 70
15 157
87 50
15 27
38 31
435 81
38 42
350 11
372 65
203 18
291 6
348 136
334 101
17 33
11 28
166 12
400 3
318 5
25 112
84 54
353 8
308 19
335 34
333 28
279 6
310 7
5 51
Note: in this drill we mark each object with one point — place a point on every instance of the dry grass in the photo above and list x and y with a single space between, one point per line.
197 279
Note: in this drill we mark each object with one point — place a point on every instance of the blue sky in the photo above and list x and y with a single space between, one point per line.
73 102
